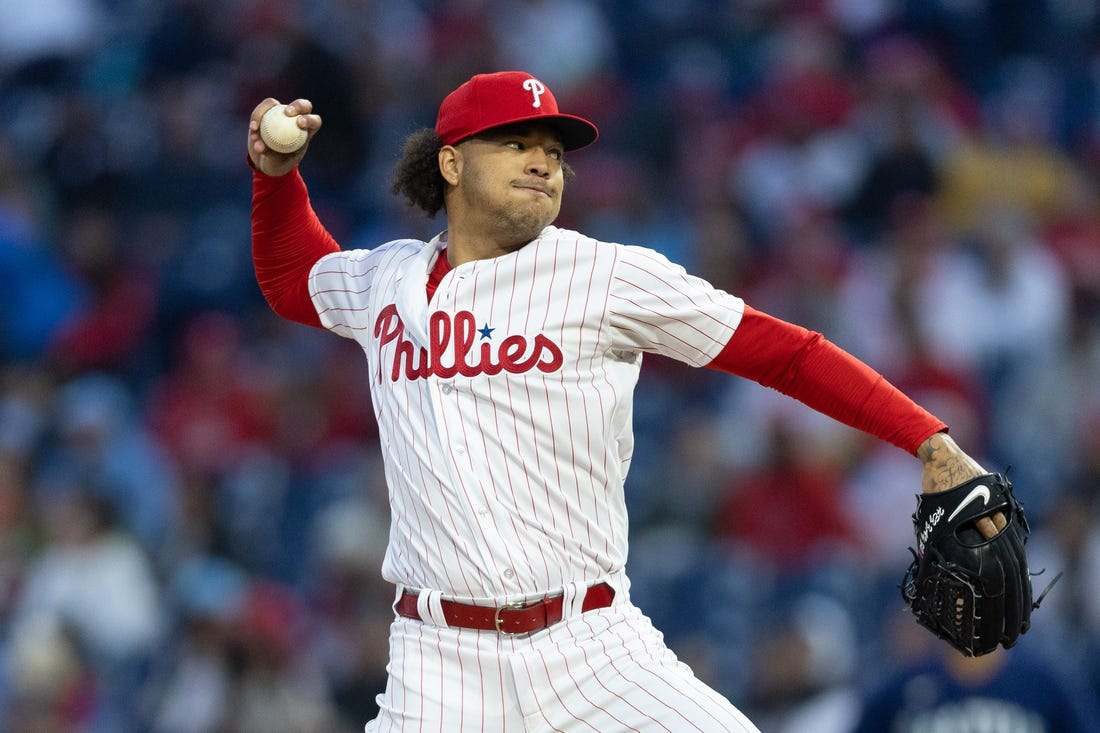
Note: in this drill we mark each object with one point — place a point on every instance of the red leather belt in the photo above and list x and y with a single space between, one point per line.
514 618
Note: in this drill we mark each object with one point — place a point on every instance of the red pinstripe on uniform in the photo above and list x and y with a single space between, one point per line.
607 670
489 501
507 485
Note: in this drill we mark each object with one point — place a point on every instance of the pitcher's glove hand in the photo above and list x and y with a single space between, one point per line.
971 591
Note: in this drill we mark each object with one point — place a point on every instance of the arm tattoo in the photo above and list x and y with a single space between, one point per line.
945 464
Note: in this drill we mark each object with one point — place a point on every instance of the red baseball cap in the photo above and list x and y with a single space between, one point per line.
491 100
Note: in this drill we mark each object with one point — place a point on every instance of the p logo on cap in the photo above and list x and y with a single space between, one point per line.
504 98
537 89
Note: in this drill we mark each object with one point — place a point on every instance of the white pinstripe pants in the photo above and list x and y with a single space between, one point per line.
606 671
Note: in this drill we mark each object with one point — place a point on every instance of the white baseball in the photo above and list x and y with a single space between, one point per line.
280 132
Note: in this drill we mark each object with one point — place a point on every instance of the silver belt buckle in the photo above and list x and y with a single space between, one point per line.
497 621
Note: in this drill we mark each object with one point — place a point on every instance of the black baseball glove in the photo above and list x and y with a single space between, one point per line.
973 592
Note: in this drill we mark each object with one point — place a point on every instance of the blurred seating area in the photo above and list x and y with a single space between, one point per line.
192 510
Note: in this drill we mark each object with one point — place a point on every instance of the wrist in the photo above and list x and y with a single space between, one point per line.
946 465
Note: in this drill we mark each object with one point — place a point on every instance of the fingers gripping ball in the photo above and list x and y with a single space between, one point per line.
280 132
973 592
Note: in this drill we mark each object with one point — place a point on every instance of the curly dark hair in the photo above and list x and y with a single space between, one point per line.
416 175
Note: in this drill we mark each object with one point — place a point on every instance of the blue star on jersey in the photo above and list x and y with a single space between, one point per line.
486 332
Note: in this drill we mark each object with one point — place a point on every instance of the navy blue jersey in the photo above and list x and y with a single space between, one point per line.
1024 696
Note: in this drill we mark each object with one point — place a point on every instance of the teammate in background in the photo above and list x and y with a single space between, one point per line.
1001 691
503 355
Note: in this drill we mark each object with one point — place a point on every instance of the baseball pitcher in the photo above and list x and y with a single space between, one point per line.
502 357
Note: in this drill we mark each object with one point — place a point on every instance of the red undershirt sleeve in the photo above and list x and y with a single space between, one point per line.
287 240
804 365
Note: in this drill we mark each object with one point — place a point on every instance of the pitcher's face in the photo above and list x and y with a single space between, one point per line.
509 181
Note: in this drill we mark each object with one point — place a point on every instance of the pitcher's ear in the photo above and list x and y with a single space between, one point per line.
450 164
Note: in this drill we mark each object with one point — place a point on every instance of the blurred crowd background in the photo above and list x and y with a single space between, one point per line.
192 512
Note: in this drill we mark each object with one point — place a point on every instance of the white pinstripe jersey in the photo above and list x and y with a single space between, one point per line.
504 403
